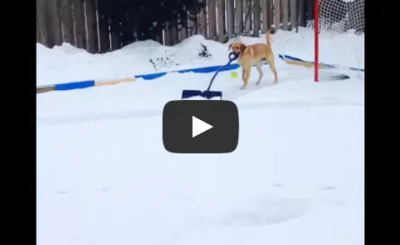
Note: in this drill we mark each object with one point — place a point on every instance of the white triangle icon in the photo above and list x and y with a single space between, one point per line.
198 126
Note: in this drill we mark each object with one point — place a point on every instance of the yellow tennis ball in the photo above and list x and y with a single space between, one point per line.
234 74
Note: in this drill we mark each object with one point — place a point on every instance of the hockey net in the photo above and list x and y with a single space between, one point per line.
344 21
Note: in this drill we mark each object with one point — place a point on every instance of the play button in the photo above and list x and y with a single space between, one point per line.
199 126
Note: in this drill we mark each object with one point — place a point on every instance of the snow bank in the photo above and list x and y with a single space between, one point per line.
66 63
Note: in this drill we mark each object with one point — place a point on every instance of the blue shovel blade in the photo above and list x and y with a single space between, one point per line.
212 94
191 93
206 94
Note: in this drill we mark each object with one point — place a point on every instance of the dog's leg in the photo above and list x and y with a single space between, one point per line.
244 76
260 72
247 76
271 63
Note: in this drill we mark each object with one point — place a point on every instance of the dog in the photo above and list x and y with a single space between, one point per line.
256 54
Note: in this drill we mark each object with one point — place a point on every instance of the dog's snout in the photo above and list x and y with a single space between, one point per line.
235 48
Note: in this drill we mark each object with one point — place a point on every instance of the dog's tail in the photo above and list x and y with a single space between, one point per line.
269 37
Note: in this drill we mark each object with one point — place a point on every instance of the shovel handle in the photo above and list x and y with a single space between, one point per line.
233 56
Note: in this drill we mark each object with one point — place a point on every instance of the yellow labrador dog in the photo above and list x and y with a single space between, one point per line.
255 54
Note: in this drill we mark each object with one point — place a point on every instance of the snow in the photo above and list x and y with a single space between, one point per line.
296 177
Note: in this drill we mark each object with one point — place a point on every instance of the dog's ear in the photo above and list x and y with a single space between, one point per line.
242 47
230 46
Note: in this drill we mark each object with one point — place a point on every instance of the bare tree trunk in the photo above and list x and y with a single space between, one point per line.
67 22
183 33
173 33
47 25
192 23
247 19
159 37
293 14
264 27
115 39
55 17
230 11
93 42
277 14
212 17
51 23
79 23
203 23
239 17
270 15
104 34
167 41
221 20
310 10
302 13
285 10
40 24
257 13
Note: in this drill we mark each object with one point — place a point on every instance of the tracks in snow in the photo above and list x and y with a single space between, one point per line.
136 114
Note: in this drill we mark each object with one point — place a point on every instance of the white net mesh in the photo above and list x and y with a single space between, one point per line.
342 20
342 16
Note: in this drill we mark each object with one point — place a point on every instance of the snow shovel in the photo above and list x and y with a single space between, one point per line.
207 93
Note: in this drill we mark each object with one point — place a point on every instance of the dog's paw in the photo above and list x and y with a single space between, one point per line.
243 87
258 83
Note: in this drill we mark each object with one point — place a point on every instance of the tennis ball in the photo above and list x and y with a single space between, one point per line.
234 74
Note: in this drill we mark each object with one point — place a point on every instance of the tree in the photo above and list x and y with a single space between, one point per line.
144 19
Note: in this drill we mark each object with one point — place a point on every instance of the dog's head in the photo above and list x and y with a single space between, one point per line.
237 47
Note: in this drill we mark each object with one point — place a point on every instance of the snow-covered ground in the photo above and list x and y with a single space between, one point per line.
296 177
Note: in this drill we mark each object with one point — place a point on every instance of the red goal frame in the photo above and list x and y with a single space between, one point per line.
317 64
316 40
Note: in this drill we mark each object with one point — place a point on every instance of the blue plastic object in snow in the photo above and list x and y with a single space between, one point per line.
209 94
